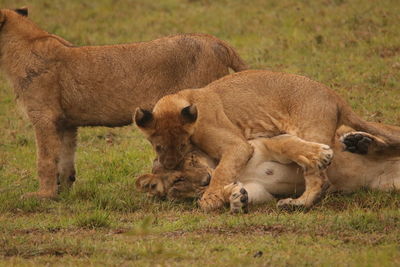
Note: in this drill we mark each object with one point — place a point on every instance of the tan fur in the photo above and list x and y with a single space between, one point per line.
63 87
248 105
270 172
191 178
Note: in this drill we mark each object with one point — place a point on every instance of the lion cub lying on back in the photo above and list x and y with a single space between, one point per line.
271 172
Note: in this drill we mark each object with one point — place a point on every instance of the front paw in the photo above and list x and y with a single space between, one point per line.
151 184
211 200
325 157
318 157
238 199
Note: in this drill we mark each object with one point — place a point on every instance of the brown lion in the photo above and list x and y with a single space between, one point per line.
221 117
62 87
270 172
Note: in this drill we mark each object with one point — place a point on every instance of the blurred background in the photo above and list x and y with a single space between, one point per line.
353 46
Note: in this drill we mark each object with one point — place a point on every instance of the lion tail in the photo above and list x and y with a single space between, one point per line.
229 56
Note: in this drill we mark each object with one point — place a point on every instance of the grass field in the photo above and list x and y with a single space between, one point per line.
352 46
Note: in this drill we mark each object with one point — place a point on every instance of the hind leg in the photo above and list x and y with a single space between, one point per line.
316 180
66 165
313 157
316 186
289 148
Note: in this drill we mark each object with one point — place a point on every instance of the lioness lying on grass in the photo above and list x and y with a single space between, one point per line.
221 117
62 87
270 171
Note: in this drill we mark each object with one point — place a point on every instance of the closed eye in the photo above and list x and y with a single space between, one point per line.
180 179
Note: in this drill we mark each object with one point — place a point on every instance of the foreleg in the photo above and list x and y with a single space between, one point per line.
235 156
48 142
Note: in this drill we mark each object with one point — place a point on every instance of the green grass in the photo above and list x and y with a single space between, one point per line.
352 46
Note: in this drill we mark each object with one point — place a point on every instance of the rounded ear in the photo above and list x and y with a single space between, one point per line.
143 118
189 114
23 11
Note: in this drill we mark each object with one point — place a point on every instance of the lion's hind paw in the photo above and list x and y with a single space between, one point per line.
360 142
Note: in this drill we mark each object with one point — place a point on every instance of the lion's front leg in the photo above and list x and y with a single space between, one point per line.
232 162
48 142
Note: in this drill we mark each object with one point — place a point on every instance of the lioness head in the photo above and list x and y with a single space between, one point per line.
175 185
168 128
190 181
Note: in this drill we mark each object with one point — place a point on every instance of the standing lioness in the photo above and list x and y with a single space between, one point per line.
63 87
221 116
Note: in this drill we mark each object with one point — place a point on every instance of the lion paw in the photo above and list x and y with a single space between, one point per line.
239 199
360 142
290 204
152 185
211 200
325 157
319 156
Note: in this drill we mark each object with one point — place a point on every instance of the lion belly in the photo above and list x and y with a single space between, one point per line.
276 178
